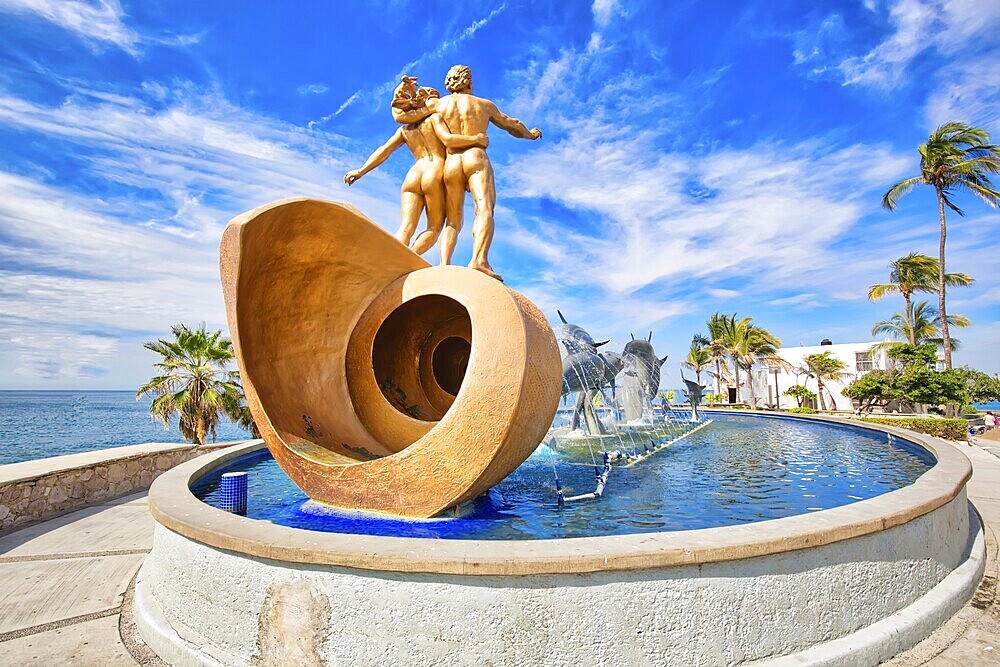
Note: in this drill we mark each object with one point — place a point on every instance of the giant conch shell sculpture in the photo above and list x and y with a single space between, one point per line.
379 382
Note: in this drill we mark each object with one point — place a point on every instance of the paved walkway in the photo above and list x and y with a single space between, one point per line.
972 636
63 583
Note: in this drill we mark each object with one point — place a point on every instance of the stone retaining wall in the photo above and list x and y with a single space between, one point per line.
45 488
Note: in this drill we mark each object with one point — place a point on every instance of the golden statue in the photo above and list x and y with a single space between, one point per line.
423 187
467 167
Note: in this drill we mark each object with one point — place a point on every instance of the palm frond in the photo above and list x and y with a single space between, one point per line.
891 198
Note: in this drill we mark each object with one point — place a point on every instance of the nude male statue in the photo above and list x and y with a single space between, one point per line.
467 167
423 187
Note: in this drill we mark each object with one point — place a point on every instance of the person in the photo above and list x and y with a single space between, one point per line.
468 167
990 420
423 187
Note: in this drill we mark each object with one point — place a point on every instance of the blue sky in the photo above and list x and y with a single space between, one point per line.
707 157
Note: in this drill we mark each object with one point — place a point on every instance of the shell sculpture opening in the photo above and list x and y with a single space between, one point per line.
378 381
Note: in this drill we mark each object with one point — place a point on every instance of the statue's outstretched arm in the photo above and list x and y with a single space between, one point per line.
380 155
456 140
513 126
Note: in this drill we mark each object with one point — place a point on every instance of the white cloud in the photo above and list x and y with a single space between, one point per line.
79 270
94 22
767 213
312 89
918 25
382 90
61 356
604 10
207 158
968 91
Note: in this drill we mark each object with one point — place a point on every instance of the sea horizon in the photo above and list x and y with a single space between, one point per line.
40 423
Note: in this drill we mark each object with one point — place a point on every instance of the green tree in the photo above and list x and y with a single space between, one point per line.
912 379
194 383
956 158
914 273
699 356
876 388
908 355
669 395
922 327
800 393
825 368
981 387
920 384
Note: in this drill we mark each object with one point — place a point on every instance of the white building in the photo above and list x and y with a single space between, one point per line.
770 383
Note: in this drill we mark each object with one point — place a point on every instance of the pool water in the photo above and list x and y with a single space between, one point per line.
736 470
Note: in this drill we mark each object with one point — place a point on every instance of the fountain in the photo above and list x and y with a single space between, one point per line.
415 503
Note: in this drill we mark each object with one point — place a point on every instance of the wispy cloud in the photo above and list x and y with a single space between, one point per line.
95 22
603 11
968 90
98 23
919 25
312 89
140 260
449 44
761 195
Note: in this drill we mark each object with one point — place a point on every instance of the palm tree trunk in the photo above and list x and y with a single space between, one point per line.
736 370
819 386
753 399
718 376
945 334
909 317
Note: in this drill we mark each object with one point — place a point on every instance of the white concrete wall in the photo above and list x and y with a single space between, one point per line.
247 610
765 379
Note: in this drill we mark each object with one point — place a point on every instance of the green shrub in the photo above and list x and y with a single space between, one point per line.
803 411
949 429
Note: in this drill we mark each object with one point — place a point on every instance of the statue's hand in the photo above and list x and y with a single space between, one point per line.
535 133
352 176
482 140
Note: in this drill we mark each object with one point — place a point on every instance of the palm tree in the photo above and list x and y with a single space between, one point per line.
699 357
717 326
727 335
824 367
922 327
194 383
755 344
914 273
957 157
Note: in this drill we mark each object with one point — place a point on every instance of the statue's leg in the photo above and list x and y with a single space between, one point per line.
411 204
454 191
484 197
432 185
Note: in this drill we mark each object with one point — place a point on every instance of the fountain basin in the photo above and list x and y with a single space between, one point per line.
850 585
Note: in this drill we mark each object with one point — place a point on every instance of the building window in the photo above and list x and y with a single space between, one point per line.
863 361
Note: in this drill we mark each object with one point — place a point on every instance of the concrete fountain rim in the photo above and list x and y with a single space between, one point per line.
175 507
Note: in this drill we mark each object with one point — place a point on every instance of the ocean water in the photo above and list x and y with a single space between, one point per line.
38 424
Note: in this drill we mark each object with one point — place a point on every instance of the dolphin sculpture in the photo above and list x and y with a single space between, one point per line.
640 377
585 372
694 393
